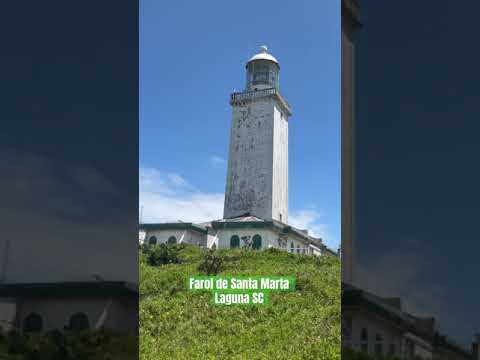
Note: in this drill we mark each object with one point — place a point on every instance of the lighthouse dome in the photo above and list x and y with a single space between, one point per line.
263 55
262 71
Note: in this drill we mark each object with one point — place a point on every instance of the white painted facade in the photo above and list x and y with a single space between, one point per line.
221 238
270 239
181 236
381 337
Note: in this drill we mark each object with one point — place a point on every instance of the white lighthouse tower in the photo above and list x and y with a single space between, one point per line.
257 176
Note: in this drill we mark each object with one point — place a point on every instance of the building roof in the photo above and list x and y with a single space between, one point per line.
263 55
242 218
174 226
66 289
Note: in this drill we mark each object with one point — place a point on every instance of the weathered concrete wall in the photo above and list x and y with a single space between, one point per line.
257 177
182 236
249 177
224 236
269 239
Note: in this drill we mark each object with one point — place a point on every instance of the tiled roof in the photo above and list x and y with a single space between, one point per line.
243 218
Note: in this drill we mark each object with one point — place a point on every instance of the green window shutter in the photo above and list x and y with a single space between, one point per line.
257 241
234 241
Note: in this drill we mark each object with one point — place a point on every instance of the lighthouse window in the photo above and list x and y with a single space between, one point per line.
234 241
260 74
273 77
257 242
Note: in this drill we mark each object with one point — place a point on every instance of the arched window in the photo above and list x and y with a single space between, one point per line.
298 249
172 240
79 322
292 247
234 241
257 242
152 240
33 323
364 335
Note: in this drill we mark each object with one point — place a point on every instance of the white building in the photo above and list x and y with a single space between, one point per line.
87 305
256 198
247 230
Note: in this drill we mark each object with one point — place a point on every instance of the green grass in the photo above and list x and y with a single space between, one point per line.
179 324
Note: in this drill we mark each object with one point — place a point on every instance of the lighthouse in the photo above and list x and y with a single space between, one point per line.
256 199
257 174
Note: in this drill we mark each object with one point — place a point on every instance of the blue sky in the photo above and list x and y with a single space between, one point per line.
192 56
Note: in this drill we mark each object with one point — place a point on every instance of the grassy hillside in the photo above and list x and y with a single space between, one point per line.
179 324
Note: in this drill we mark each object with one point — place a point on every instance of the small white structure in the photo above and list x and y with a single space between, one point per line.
256 197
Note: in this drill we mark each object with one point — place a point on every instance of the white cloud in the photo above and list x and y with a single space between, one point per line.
169 198
217 162
177 180
309 219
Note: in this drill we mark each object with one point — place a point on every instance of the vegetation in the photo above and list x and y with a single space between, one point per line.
349 354
180 324
55 345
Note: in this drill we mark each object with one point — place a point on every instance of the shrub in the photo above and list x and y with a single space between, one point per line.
57 345
212 262
163 254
